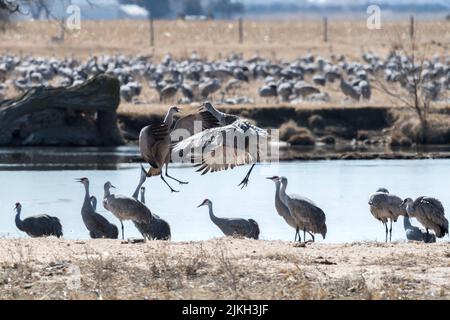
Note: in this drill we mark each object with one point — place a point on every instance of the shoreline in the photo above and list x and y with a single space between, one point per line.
222 268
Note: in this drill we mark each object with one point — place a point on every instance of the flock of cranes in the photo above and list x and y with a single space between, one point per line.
300 213
192 79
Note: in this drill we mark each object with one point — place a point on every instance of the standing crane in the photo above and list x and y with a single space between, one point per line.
235 143
233 226
283 210
38 226
304 211
386 207
98 226
157 229
429 212
125 208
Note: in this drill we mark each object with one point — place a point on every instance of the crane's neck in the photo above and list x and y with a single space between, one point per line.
406 222
107 193
278 202
143 196
211 212
169 118
18 220
138 188
282 192
220 116
87 205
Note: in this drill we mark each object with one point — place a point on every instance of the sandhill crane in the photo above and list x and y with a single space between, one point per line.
236 143
38 226
98 226
283 210
157 229
349 91
155 141
233 226
209 87
304 211
125 208
429 212
416 234
386 207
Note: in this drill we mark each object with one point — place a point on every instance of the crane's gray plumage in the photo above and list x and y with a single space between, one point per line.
415 233
233 226
155 141
157 229
283 210
386 207
236 143
429 212
38 226
98 226
125 208
304 212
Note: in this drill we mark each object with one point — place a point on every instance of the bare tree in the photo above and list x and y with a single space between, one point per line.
411 88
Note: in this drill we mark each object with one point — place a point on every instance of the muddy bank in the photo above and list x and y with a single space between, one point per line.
223 268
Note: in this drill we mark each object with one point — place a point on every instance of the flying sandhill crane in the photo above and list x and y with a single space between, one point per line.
125 208
38 226
98 226
155 141
235 143
386 207
304 211
283 210
157 229
416 234
233 226
429 212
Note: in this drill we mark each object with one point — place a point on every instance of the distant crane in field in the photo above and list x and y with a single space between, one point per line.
157 229
386 207
305 212
242 146
125 208
233 226
416 234
283 210
429 212
38 226
98 226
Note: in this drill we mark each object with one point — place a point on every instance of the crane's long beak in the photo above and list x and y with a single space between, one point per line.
113 187
78 180
200 205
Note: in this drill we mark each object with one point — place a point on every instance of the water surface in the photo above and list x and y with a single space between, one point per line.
340 188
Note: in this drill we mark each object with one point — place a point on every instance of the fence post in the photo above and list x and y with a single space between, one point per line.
241 31
411 27
325 29
152 30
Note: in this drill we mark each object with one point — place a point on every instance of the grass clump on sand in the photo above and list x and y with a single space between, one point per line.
295 135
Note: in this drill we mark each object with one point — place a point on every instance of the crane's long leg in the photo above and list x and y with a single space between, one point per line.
386 231
123 235
168 176
304 235
390 232
244 182
297 233
171 189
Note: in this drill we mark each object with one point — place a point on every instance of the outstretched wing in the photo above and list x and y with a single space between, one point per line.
199 121
152 140
224 148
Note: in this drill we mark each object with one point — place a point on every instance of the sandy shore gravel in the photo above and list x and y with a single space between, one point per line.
224 268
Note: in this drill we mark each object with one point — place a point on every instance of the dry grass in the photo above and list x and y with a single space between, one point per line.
224 268
214 39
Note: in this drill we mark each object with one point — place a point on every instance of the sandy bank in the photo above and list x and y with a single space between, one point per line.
223 268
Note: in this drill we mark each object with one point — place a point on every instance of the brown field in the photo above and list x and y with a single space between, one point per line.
217 39
223 268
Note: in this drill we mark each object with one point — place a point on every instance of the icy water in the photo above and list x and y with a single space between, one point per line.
340 188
